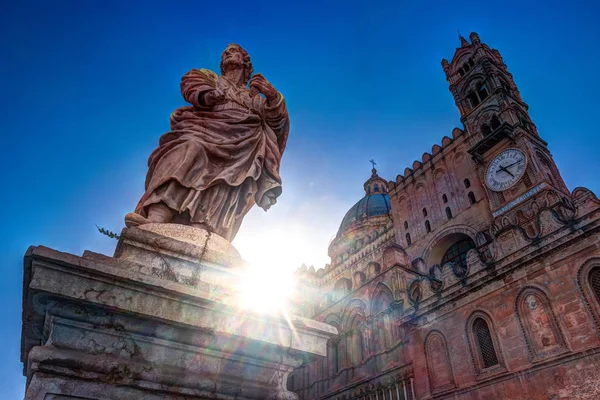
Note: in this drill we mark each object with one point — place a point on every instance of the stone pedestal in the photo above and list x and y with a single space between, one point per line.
157 321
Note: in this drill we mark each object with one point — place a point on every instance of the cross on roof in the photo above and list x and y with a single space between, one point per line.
373 162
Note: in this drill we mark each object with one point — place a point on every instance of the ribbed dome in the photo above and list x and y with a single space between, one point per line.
371 205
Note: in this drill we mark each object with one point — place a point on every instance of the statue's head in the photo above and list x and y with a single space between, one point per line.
234 55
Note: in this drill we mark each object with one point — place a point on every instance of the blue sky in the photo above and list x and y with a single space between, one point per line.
88 86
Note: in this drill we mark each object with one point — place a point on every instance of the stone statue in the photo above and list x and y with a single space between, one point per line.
222 154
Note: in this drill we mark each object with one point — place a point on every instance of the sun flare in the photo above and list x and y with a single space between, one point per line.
267 284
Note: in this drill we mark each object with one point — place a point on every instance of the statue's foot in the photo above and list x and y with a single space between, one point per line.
135 219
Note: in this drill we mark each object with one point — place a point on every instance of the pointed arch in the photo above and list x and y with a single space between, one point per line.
439 366
353 322
382 327
538 324
381 299
356 307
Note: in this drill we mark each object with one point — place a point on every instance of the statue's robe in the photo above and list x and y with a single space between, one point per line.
217 162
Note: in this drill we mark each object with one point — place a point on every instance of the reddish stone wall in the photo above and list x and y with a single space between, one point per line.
569 371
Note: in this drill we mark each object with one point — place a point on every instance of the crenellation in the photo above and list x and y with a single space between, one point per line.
465 261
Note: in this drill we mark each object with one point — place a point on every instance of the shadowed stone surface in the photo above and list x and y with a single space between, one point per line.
154 322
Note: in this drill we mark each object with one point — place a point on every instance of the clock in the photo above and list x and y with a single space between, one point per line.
505 170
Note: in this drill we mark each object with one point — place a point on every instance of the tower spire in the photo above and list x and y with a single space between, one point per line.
463 41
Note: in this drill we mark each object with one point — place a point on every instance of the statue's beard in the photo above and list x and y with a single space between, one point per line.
229 65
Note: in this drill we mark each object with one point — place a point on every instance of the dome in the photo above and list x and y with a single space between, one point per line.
371 205
375 203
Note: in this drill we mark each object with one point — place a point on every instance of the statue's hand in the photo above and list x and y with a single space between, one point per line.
258 82
214 97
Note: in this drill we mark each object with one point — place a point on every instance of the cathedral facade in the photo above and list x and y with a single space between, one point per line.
475 274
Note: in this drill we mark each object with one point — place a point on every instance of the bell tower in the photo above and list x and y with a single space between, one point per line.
513 161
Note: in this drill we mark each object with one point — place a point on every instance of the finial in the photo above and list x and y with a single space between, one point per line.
445 66
374 171
463 41
474 38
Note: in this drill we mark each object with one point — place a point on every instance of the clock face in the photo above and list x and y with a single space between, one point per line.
505 170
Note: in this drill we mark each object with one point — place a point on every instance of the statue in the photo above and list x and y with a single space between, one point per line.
222 154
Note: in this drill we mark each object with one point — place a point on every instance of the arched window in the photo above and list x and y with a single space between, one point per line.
472 198
424 212
495 122
485 344
448 213
427 226
473 99
376 189
482 92
457 255
408 239
467 183
477 95
588 280
485 129
594 279
444 198
405 224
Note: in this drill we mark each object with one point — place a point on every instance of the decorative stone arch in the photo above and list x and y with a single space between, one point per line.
342 287
545 164
378 299
353 322
439 174
591 296
485 115
382 335
461 55
441 241
538 324
354 307
439 366
477 356
459 158
333 319
471 84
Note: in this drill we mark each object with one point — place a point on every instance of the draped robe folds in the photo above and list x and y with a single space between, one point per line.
217 162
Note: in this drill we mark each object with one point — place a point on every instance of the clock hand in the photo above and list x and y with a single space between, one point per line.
510 165
505 170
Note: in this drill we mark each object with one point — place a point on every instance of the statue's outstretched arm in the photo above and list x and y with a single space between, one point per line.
195 84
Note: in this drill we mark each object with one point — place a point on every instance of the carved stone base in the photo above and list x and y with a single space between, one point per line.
156 321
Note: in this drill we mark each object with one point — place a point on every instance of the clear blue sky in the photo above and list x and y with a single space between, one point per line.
88 86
